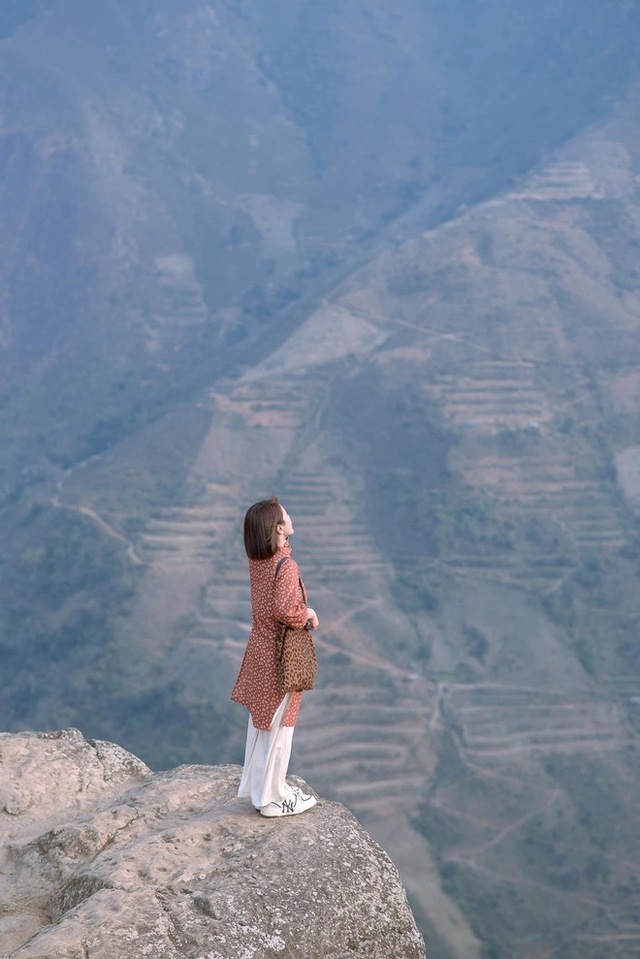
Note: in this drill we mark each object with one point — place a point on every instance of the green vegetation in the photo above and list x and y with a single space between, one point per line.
554 862
167 728
62 607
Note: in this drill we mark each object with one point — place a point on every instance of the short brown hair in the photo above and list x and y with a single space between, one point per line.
260 535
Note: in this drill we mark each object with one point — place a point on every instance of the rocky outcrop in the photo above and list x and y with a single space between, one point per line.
102 859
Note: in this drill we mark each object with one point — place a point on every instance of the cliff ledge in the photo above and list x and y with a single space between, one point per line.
102 859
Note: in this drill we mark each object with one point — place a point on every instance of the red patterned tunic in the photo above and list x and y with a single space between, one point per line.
274 599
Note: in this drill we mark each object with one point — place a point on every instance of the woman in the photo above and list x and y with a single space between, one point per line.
277 596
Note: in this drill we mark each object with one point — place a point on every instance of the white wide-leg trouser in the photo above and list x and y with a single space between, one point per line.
266 760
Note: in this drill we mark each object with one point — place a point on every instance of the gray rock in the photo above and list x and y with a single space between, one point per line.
102 859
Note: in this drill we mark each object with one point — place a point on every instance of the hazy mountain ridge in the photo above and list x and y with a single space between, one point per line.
139 113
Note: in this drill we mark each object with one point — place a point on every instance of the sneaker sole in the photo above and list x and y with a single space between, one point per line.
304 805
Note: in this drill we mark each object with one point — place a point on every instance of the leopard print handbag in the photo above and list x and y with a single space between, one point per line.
296 663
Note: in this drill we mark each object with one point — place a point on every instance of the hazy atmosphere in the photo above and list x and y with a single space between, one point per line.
383 261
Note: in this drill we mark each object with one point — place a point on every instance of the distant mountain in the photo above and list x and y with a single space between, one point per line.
176 177
382 264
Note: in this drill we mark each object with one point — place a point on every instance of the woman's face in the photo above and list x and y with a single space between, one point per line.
286 527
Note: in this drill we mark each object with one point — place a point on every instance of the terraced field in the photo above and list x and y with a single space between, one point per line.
510 447
543 491
199 537
366 753
560 180
180 535
492 396
365 726
337 542
522 765
179 301
499 721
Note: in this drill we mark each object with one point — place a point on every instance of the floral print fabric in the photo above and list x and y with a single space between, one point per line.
274 599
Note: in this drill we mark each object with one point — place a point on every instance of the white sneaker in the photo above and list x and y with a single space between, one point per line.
296 803
301 793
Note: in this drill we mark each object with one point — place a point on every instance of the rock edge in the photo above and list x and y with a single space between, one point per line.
102 859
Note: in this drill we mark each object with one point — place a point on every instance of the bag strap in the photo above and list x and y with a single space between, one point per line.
278 565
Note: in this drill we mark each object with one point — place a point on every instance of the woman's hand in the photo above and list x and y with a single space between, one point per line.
312 621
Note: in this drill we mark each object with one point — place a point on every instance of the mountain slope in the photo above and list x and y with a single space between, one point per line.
463 531
175 176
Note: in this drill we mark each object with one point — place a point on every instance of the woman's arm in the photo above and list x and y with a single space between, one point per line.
289 606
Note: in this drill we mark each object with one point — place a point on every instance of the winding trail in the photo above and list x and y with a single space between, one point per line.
103 525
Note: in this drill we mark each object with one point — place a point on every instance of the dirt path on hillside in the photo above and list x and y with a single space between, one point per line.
103 525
